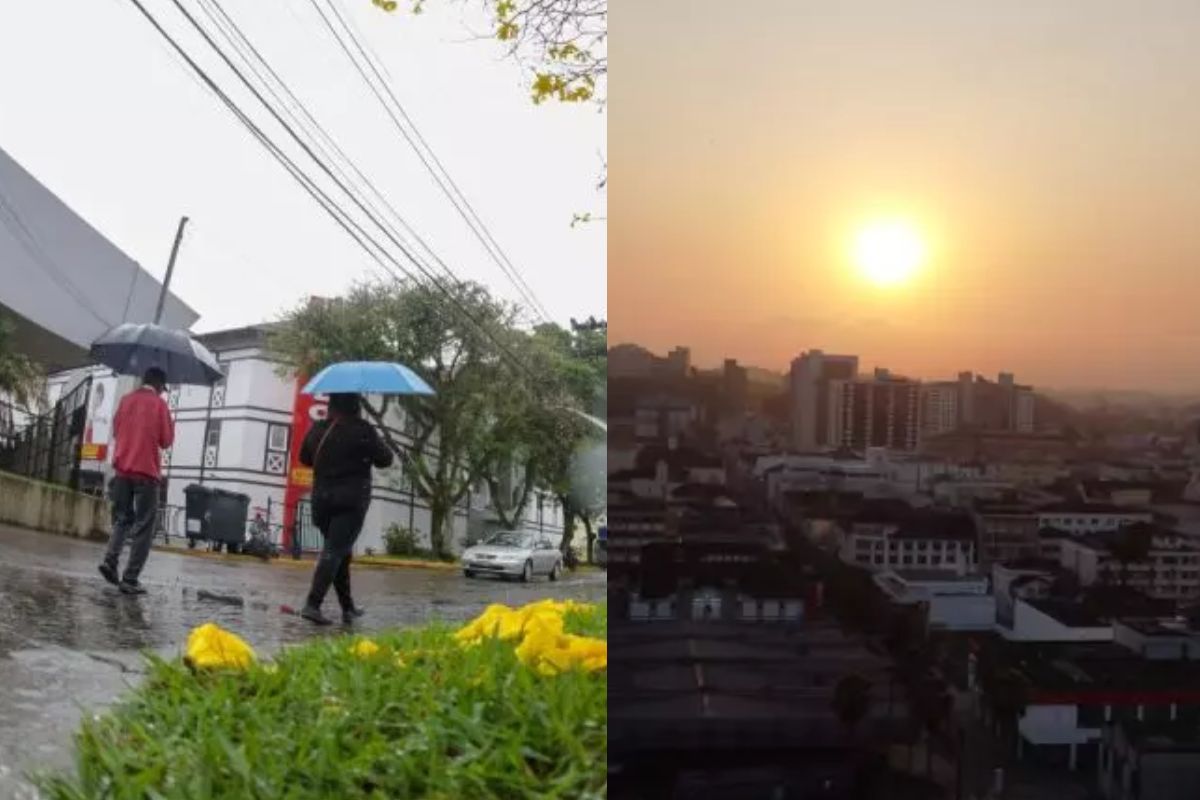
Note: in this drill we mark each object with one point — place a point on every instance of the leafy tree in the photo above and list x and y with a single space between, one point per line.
456 343
20 378
563 43
852 700
549 432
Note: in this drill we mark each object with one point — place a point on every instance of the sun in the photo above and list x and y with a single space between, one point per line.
888 252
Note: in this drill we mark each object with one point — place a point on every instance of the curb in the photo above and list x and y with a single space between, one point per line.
374 562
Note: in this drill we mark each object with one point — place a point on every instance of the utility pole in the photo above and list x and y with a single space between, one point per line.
162 295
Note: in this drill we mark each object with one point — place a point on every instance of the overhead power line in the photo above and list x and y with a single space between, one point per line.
326 143
364 239
428 158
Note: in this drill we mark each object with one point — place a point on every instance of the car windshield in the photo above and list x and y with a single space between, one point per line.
509 539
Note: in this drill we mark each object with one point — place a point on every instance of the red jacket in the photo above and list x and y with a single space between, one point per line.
142 427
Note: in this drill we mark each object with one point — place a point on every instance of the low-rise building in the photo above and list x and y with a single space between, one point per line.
1149 760
1170 571
915 539
951 602
1045 619
1021 580
1085 517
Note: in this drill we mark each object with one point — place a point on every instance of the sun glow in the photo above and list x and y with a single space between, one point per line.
888 252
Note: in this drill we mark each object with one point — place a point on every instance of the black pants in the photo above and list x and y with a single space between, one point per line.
135 512
340 526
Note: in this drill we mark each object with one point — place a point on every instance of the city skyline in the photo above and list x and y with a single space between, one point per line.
1043 155
869 366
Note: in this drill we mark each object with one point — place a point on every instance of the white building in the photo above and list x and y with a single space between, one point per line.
813 410
238 436
1050 620
65 284
926 540
1170 572
1081 518
953 602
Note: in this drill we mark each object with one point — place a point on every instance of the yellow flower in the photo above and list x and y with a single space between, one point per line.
365 648
211 647
551 653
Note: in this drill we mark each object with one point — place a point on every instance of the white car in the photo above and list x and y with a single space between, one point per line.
513 554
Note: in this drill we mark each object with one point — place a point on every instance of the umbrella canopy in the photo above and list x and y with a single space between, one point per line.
133 348
367 377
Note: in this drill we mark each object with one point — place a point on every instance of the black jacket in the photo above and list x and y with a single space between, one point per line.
342 468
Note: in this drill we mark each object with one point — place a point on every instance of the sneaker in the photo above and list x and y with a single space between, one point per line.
315 616
132 588
110 574
351 614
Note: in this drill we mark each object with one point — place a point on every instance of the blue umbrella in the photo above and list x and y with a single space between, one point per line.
367 377
133 348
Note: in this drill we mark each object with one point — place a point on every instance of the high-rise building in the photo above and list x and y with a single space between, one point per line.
883 411
976 402
810 383
940 407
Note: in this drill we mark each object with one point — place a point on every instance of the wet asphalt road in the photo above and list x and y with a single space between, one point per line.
70 644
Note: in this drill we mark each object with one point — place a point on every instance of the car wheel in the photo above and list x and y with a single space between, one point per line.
527 572
556 571
468 574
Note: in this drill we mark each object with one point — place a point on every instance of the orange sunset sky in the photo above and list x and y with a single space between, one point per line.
1048 154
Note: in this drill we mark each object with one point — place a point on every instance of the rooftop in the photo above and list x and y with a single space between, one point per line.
1081 507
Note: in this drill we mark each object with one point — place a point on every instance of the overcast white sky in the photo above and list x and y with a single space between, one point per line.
98 108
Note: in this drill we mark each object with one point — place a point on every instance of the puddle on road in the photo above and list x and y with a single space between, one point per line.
70 644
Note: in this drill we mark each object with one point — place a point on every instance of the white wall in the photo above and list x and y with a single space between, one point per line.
1054 724
1031 625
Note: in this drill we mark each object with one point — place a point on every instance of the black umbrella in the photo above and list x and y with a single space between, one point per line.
133 348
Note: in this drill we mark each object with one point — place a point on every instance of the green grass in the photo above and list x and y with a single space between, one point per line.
452 723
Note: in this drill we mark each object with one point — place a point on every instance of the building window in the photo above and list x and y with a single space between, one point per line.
212 443
277 438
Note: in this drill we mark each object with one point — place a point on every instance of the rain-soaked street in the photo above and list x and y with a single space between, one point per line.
70 643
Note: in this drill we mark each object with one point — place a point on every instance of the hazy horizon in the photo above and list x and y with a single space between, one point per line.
1045 153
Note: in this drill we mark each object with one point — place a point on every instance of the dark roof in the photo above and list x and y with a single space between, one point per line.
1100 484
882 510
1003 508
930 524
1068 612
700 491
1079 507
630 474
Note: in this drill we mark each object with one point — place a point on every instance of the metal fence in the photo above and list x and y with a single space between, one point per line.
48 447
172 525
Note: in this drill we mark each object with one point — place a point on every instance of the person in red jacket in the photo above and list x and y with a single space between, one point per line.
142 428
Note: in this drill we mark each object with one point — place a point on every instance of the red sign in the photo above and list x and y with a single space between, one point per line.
306 410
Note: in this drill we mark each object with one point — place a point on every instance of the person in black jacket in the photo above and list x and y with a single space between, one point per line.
341 451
